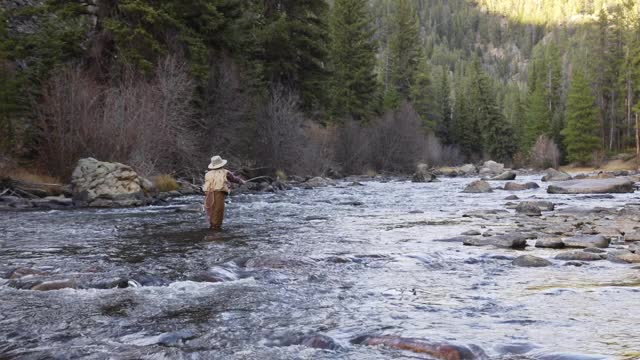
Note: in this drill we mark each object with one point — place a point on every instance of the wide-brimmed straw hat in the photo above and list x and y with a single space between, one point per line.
217 162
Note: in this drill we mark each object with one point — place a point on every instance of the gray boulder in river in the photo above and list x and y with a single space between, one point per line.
478 186
556 175
586 241
593 186
504 176
104 184
530 261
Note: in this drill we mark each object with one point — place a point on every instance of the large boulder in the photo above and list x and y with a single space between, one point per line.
509 241
422 174
491 168
104 184
478 186
593 186
468 169
578 255
555 175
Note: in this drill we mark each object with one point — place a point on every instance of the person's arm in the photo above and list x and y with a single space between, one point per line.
231 177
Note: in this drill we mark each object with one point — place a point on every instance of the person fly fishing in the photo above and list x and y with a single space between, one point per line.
216 188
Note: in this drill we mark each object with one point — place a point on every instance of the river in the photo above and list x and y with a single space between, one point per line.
339 261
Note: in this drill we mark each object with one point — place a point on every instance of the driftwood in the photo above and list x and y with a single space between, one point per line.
30 190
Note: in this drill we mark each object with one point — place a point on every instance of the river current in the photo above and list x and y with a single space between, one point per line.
344 261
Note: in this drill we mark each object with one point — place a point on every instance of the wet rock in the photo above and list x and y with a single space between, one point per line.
318 182
530 261
505 176
593 186
550 243
512 241
578 255
150 280
595 250
23 272
526 208
623 256
471 233
511 186
356 183
512 197
556 175
632 237
114 283
441 351
635 248
491 168
457 239
103 184
276 262
586 241
315 341
55 285
422 174
478 186
175 338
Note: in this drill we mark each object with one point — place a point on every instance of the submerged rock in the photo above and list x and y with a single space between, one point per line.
437 350
586 241
478 186
512 197
556 175
593 186
531 261
55 285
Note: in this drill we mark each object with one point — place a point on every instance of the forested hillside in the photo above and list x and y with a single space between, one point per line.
316 86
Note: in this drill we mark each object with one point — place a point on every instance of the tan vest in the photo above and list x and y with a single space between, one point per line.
216 180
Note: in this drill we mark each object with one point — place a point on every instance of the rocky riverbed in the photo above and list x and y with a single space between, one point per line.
388 269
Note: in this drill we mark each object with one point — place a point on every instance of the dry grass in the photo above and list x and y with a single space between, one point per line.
281 175
30 176
165 183
612 165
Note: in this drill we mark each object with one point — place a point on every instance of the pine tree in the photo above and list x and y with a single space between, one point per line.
421 96
581 133
537 118
404 48
291 47
352 87
444 128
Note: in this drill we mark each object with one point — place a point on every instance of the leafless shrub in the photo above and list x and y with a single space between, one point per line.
279 134
436 154
227 123
545 153
397 140
352 150
144 123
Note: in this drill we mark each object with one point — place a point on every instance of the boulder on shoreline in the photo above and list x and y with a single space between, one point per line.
491 168
556 175
422 174
103 184
478 186
593 186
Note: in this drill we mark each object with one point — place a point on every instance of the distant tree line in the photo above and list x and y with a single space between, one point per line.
371 85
